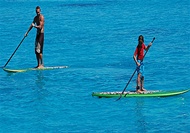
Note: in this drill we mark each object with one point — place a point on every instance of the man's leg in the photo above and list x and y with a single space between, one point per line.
142 84
40 60
139 84
37 59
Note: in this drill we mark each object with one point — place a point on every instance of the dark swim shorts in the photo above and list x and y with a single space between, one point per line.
39 43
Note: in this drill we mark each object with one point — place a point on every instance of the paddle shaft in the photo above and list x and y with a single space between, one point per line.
134 73
14 51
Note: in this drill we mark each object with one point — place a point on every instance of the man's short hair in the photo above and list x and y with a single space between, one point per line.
38 7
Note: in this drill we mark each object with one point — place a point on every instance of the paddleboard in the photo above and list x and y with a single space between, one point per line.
135 94
33 69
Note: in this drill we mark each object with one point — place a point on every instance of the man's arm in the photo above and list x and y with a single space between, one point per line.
31 26
147 47
135 59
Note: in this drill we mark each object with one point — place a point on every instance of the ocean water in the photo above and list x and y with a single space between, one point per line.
96 39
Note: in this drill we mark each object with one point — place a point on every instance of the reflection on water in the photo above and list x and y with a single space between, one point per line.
140 118
40 103
39 79
40 91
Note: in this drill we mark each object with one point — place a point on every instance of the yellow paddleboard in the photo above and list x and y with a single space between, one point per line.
32 69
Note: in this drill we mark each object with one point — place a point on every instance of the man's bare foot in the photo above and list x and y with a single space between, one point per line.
143 89
40 66
139 91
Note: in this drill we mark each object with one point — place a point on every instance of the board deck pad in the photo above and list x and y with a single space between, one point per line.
156 93
33 69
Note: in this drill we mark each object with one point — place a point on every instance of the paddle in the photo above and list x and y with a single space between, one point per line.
133 73
14 51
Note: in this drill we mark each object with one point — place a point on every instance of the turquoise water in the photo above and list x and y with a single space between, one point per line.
96 39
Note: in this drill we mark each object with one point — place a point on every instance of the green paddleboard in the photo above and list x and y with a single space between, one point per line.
134 94
33 69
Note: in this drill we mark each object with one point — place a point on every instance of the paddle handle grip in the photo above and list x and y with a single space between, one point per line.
153 40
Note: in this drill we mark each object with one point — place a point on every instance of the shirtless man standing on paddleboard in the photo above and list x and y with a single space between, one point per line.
38 23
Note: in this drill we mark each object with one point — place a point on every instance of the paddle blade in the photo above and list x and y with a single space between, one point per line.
119 98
